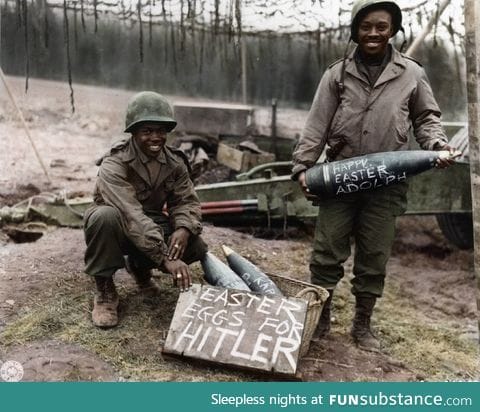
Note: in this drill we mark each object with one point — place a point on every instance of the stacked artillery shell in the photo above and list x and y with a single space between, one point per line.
370 171
256 280
217 273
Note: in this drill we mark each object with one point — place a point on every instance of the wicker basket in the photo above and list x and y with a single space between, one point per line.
315 295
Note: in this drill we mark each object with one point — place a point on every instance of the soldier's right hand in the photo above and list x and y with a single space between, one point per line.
303 185
442 163
180 273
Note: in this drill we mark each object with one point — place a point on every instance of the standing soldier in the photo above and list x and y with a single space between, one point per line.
366 102
136 179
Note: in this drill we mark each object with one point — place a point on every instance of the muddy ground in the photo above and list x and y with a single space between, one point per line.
427 319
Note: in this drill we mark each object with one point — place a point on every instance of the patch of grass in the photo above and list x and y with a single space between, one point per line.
434 351
133 348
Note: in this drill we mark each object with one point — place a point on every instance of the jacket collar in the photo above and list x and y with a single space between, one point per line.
394 68
133 152
138 160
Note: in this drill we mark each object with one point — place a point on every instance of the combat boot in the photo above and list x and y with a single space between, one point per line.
105 303
323 327
361 332
143 278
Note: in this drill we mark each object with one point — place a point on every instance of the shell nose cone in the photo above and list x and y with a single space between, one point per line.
445 154
226 250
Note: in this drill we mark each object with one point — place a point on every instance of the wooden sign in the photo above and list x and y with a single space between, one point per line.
238 328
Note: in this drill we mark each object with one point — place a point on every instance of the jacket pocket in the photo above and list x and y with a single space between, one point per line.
169 184
334 129
402 128
398 199
142 191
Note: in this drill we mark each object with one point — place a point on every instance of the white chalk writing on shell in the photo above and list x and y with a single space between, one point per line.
238 328
359 175
263 285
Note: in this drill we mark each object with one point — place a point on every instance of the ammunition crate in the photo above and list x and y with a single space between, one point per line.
241 161
316 297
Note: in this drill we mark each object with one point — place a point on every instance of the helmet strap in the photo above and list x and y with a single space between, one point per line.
341 83
404 43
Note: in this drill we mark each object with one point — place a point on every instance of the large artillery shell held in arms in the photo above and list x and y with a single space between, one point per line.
369 172
256 280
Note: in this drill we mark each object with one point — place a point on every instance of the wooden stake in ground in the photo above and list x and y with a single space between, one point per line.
472 46
421 37
20 115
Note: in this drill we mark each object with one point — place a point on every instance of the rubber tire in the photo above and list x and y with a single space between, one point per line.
457 228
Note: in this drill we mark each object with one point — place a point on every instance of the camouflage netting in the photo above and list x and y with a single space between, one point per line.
194 47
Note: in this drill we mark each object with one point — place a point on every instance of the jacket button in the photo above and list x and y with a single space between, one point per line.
365 132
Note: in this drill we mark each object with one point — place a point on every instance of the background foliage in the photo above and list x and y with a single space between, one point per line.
189 54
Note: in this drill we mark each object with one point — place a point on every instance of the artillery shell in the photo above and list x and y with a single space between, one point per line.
250 274
370 171
217 273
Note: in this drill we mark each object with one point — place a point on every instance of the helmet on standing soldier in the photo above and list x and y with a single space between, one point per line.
362 7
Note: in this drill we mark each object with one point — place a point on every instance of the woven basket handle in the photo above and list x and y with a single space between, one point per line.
303 292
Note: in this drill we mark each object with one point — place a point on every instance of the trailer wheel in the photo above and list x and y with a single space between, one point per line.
457 228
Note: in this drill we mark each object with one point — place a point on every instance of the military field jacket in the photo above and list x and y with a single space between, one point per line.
370 119
123 182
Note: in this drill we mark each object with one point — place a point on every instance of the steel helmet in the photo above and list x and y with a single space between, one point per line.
149 107
362 7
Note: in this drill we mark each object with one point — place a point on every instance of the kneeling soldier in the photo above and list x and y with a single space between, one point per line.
127 225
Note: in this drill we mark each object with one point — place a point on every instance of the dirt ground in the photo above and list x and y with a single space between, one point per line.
427 319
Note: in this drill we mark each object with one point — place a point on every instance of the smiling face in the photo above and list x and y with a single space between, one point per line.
151 137
374 31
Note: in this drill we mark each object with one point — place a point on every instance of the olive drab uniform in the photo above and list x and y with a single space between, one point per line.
139 202
369 119
129 202
359 108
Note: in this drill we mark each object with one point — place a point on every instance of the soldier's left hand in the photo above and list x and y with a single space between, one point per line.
443 163
178 243
303 185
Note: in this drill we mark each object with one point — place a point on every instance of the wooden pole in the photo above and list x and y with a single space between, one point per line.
243 51
20 115
421 37
472 47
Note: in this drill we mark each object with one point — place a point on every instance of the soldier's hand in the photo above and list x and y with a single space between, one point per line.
446 162
303 185
178 243
180 273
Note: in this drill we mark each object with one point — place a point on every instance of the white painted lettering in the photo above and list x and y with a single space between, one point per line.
185 335
286 347
208 295
272 322
237 299
258 348
204 339
222 297
218 318
365 185
223 333
237 315
190 308
252 298
264 305
235 352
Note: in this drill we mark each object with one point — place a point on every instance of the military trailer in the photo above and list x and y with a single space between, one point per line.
266 195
